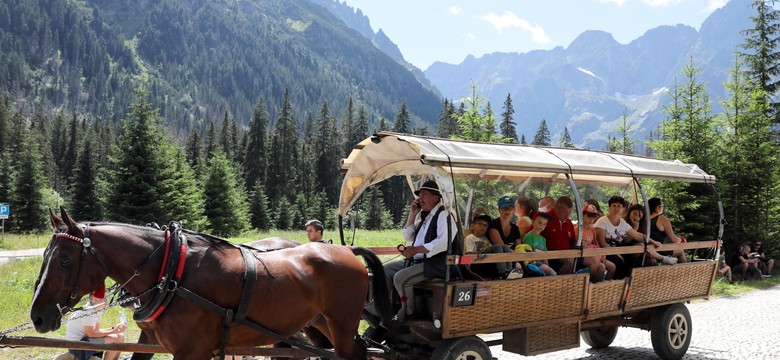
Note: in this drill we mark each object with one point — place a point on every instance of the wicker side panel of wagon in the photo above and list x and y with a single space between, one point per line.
659 285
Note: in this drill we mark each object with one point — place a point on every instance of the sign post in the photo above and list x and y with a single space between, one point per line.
5 210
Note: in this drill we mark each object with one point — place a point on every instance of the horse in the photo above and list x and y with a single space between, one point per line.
293 286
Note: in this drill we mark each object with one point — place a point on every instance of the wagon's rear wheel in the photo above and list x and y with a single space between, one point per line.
600 337
465 348
671 331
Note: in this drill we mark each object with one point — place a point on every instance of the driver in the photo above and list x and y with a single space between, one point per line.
426 236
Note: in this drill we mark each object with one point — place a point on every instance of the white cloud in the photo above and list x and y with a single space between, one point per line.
471 36
660 2
510 20
454 9
619 3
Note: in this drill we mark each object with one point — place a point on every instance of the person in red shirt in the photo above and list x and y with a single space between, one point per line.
560 233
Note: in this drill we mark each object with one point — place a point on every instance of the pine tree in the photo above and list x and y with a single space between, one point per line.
27 196
566 139
624 141
182 192
256 160
225 203
71 153
403 121
225 138
542 136
284 214
325 148
761 42
448 123
84 202
360 131
382 126
522 139
4 123
348 128
507 126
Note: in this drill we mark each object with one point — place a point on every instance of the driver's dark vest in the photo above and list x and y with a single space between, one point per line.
436 266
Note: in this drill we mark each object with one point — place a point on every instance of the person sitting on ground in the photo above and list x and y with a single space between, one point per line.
765 264
560 233
596 265
661 229
612 230
502 231
723 268
524 210
84 325
428 236
743 264
314 230
477 242
537 242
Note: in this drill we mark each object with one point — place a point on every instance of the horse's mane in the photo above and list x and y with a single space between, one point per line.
143 230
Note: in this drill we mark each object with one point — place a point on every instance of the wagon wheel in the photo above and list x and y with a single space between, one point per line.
671 331
600 337
465 348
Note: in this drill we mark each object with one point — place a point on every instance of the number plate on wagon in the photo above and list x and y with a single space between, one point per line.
464 295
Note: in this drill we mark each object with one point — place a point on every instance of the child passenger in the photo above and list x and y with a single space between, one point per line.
477 242
597 265
537 242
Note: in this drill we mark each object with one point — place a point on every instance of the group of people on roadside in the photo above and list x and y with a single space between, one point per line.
748 262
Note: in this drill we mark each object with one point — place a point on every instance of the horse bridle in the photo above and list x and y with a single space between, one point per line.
86 244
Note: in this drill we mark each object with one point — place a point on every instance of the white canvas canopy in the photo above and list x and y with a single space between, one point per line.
389 154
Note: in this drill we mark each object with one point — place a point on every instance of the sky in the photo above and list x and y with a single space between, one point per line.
449 30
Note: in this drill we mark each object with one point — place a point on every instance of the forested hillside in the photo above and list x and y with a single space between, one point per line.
198 59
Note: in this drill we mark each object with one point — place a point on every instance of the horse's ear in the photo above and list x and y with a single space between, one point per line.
69 222
56 222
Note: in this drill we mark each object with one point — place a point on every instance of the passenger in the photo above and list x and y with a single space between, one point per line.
596 265
537 242
613 230
546 204
560 233
595 203
661 229
476 242
743 264
765 263
524 210
429 237
635 216
502 231
723 268
314 230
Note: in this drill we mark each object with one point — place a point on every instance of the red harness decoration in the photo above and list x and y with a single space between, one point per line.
177 274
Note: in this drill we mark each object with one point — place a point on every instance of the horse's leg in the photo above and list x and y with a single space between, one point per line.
146 337
319 334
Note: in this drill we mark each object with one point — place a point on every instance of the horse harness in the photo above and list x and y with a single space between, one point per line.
168 285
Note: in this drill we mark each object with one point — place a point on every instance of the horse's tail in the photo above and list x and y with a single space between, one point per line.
379 284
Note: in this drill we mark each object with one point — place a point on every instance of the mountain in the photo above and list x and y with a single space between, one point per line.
588 85
199 59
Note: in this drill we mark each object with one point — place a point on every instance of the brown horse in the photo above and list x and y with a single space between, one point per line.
294 286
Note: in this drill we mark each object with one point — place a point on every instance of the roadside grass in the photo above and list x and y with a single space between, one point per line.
24 241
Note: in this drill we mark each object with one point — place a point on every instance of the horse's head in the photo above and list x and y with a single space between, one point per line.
70 270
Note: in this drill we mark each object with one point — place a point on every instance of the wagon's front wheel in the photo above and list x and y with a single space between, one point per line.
671 331
600 337
465 348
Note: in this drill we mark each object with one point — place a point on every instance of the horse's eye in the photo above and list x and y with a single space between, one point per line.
65 261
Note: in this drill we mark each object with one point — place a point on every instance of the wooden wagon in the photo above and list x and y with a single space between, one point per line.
558 310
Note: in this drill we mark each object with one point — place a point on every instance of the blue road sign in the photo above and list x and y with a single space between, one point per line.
4 211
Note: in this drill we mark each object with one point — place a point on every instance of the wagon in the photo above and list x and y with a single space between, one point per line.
559 310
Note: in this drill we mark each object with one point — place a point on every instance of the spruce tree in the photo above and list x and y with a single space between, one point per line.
225 137
71 153
522 139
360 131
542 136
194 152
258 207
225 202
135 194
624 141
403 121
84 201
448 123
761 42
382 125
211 141
27 196
256 161
566 139
5 120
182 192
507 126
282 174
325 148
477 123
348 128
